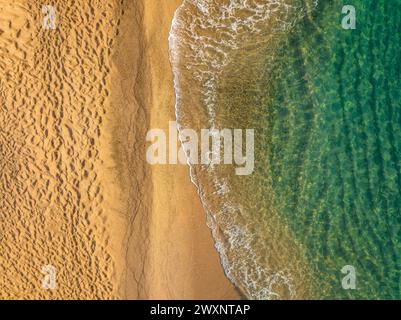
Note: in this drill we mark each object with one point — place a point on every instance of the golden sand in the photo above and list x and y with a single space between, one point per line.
76 192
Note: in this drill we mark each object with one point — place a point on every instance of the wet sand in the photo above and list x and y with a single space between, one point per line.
181 261
76 192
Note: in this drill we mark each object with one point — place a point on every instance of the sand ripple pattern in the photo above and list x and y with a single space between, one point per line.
53 98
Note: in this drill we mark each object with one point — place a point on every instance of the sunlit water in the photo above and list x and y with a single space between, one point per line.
325 105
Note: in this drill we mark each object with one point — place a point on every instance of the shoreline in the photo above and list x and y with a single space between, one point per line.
170 250
83 213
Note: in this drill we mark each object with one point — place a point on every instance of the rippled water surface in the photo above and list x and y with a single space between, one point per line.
325 105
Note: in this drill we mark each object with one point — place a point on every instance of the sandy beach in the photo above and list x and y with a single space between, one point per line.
180 260
77 196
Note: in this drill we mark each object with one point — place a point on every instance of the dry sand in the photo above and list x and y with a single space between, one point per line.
76 192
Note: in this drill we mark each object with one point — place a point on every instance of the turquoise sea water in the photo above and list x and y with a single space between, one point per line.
326 108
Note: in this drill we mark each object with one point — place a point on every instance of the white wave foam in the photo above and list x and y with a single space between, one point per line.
203 37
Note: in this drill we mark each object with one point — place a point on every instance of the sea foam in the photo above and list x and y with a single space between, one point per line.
206 37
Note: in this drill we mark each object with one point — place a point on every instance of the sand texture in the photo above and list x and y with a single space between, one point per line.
76 192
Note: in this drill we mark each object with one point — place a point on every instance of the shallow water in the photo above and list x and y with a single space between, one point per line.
325 106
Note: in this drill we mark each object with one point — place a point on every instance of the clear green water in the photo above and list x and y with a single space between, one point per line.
335 145
325 104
